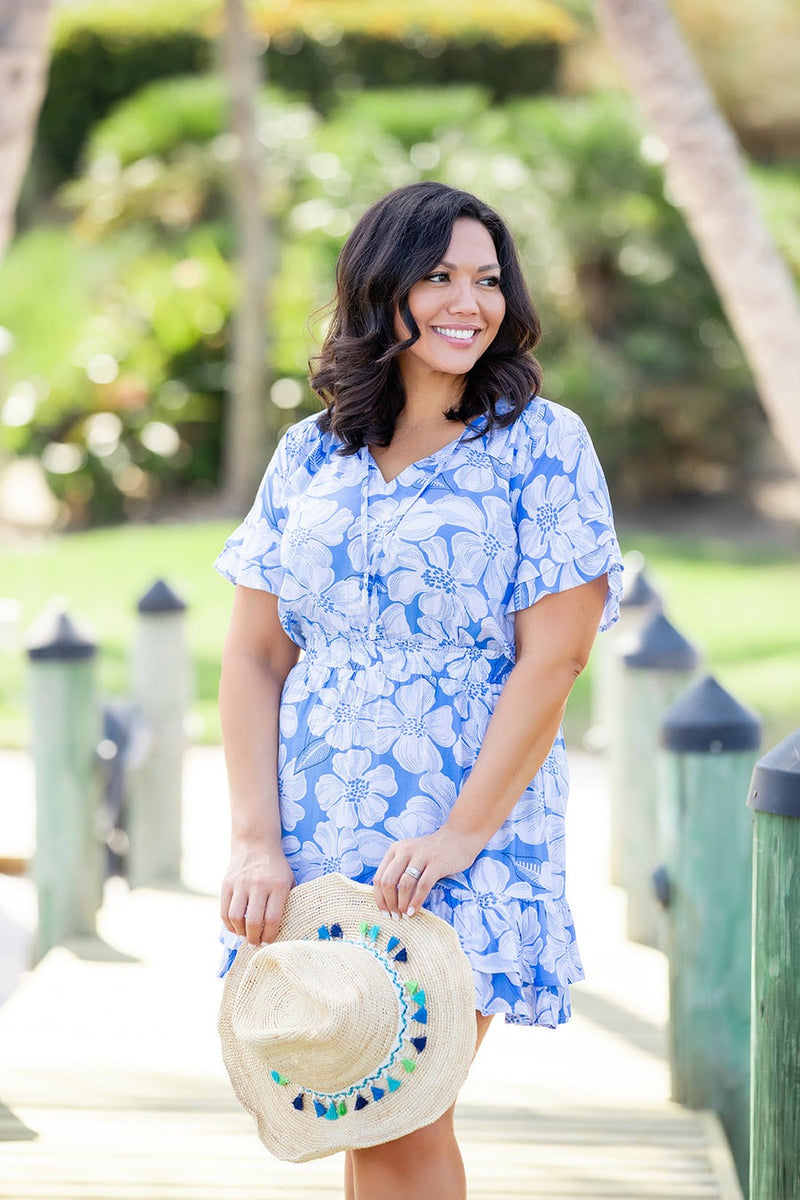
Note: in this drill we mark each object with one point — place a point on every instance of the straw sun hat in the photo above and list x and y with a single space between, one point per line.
349 1029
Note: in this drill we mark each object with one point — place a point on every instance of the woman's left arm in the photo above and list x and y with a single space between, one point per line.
553 640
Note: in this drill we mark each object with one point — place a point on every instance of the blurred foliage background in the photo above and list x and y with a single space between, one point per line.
116 296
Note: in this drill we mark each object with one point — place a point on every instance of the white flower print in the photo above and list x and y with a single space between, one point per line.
489 541
415 729
555 528
429 576
427 812
355 795
308 538
291 791
569 444
344 717
475 473
332 851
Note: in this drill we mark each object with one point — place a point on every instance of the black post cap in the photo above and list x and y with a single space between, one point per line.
660 647
775 785
705 719
160 598
57 638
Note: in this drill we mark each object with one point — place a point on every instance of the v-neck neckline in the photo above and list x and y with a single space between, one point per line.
418 463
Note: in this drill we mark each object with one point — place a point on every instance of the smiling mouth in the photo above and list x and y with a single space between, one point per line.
456 335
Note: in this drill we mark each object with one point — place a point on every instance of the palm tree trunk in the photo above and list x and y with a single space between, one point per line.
247 424
24 28
707 178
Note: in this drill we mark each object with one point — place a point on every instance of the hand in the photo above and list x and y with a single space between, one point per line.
254 891
434 856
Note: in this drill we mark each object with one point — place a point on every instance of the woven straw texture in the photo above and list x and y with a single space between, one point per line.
323 1016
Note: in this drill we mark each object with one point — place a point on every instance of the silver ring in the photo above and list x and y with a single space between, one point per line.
413 872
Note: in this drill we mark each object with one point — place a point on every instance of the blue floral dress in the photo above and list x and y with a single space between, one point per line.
402 596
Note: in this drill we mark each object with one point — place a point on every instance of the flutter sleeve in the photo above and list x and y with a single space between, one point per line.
565 526
251 555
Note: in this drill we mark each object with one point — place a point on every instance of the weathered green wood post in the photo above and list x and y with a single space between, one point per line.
775 1128
656 667
161 690
707 841
68 861
639 602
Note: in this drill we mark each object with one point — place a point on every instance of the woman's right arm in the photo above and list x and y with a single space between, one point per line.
256 659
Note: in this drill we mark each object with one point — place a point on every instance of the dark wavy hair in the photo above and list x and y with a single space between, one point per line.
397 242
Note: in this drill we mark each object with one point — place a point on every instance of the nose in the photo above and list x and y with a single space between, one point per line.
462 297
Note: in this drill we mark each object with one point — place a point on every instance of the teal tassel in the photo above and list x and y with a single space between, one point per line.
394 1084
332 1114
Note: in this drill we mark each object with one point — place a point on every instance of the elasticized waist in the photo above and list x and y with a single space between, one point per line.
413 656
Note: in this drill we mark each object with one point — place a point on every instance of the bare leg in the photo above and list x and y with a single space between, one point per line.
425 1164
349 1186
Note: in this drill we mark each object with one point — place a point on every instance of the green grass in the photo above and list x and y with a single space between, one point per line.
739 604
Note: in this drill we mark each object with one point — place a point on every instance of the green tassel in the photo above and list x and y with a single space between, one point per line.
409 1065
281 1079
412 987
342 1108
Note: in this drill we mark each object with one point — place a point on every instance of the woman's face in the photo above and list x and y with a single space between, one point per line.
458 307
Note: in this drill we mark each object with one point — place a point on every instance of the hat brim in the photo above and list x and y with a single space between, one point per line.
434 959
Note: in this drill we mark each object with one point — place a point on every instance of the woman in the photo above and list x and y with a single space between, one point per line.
439 542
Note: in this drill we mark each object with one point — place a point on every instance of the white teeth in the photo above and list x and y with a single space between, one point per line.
463 335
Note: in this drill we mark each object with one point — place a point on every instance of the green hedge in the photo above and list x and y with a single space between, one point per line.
92 69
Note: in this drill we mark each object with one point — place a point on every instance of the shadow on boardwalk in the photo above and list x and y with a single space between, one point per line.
113 1086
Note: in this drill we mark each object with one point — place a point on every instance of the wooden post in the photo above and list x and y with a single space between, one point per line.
68 861
707 843
161 690
639 602
775 1124
655 667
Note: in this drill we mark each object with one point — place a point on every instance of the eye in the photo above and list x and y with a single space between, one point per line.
491 281
437 277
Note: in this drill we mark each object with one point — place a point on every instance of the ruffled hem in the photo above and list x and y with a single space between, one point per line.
237 568
523 954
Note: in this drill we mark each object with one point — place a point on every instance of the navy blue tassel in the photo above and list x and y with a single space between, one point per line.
360 1103
336 931
401 956
298 1102
419 1044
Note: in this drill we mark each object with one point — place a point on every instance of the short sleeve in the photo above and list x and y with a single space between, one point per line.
251 555
565 526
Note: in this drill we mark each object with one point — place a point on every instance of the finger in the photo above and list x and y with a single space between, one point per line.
225 898
236 912
254 915
273 913
411 892
385 888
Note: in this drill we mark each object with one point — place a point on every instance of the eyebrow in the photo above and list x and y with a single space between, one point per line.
486 267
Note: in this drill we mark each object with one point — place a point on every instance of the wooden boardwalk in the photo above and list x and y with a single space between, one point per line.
111 1085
